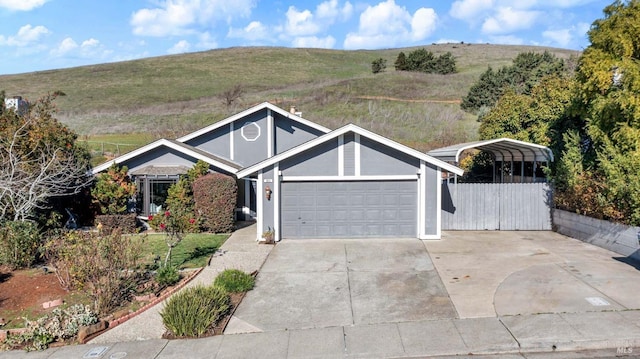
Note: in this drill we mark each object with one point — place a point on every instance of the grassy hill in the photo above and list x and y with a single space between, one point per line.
172 95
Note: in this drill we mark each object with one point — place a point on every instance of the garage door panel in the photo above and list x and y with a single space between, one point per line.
349 209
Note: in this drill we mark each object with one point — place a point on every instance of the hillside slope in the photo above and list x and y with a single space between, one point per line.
172 95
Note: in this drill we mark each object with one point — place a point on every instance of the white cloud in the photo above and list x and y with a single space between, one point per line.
26 36
300 23
315 42
423 23
469 9
332 11
90 43
179 17
561 37
65 46
567 36
205 41
507 19
21 5
388 24
180 47
255 31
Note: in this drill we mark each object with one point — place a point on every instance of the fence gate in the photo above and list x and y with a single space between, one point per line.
496 206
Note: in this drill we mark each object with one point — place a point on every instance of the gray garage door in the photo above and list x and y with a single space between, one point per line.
349 209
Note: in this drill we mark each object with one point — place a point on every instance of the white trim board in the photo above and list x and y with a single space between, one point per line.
247 112
170 144
349 178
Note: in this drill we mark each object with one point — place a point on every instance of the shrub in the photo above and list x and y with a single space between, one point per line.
215 198
113 190
194 311
235 281
167 275
99 264
378 65
19 243
126 223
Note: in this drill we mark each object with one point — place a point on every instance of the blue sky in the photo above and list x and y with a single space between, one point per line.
48 34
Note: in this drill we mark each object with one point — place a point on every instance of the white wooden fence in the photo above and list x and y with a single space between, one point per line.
496 206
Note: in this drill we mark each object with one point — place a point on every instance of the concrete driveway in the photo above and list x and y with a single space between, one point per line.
489 274
328 283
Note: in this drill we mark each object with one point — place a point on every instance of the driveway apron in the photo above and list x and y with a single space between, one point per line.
329 282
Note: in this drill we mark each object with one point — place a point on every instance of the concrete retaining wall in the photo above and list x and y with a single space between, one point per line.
615 237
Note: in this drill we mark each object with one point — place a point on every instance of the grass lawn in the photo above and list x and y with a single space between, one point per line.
193 252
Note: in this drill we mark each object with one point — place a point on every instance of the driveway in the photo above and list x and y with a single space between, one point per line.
489 274
327 283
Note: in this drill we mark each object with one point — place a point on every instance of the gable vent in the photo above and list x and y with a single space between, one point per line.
250 131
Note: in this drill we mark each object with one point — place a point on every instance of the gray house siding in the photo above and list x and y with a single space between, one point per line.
216 142
319 161
290 133
377 159
349 155
252 147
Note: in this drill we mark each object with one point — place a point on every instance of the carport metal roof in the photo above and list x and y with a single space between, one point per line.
503 149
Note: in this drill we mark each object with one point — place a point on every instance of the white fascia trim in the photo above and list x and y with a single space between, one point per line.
231 141
439 203
422 201
341 155
341 131
259 209
349 178
156 144
270 131
356 154
276 202
248 112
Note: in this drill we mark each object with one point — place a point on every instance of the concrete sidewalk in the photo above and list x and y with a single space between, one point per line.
239 251
510 336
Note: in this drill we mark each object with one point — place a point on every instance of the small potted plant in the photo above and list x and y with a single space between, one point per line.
268 236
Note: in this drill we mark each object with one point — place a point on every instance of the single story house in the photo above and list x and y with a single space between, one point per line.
300 179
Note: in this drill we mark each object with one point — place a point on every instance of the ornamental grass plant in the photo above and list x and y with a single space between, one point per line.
195 311
235 281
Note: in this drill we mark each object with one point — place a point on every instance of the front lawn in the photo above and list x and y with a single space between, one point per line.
193 251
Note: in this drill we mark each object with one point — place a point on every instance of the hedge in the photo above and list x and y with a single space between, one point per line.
215 196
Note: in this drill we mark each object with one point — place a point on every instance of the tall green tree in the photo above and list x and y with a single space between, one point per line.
608 77
527 70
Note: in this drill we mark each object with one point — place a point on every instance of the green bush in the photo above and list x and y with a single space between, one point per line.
19 243
215 198
194 311
167 275
235 281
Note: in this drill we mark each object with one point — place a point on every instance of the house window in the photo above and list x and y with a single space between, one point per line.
152 193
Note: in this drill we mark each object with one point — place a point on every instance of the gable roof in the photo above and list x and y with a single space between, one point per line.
211 159
341 131
504 149
262 106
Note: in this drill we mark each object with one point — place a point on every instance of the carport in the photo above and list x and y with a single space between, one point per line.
522 162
